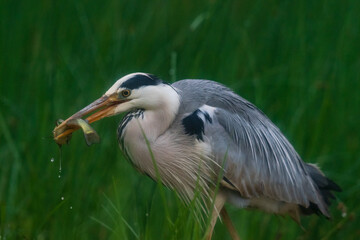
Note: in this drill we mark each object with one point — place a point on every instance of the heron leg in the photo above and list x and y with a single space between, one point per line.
228 223
218 206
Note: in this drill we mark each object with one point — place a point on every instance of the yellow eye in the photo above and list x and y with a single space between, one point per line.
125 93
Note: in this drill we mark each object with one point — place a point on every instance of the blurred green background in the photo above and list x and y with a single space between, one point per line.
298 61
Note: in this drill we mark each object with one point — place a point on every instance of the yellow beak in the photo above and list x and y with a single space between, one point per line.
102 107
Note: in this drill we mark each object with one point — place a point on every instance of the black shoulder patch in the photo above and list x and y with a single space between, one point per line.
140 80
194 124
207 116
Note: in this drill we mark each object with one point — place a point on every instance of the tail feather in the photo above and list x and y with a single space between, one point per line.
325 186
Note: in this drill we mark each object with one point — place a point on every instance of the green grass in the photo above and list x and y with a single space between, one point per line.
298 61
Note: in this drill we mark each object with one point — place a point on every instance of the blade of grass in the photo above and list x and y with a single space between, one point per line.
15 169
158 176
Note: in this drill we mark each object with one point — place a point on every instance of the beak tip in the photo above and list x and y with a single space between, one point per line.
62 132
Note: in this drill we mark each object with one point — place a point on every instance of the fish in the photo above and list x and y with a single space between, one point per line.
62 129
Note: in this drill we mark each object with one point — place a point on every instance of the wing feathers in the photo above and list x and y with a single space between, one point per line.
260 160
269 166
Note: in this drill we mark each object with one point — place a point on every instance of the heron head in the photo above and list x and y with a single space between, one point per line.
136 90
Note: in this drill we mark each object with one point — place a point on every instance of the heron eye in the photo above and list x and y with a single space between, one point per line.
125 93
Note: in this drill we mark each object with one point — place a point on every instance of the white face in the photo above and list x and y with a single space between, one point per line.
141 91
117 84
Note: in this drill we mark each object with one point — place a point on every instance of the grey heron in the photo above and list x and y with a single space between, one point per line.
198 130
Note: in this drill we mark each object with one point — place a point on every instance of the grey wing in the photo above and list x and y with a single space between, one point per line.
260 162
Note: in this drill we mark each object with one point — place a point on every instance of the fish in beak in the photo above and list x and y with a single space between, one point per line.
102 107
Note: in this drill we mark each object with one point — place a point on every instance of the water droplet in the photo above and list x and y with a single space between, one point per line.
60 162
70 207
147 214
62 198
59 176
343 214
52 159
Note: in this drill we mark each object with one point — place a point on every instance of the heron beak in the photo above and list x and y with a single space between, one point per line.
102 107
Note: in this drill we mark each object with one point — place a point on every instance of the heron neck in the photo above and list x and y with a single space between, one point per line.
156 121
